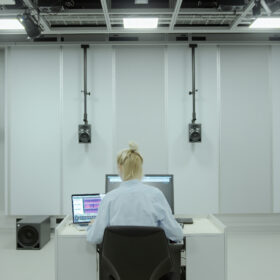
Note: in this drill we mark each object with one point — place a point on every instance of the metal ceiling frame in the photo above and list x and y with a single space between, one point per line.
239 19
266 8
216 42
178 30
167 17
116 30
106 14
175 14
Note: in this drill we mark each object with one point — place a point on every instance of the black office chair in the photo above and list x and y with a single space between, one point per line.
135 253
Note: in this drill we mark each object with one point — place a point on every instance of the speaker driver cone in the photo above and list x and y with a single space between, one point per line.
28 236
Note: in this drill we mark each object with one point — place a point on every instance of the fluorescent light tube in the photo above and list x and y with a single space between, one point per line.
268 22
8 2
141 2
140 22
10 24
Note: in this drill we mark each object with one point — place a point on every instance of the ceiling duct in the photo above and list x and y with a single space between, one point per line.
214 4
198 38
123 38
59 5
49 6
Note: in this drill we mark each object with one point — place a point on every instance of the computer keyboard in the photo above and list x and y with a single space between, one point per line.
184 220
81 228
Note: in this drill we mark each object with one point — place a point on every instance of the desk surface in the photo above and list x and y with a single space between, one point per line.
201 226
71 229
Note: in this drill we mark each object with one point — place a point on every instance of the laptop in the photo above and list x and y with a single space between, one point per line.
85 208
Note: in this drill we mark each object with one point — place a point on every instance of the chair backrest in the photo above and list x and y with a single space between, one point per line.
135 253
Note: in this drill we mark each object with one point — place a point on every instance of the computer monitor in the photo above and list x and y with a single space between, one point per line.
85 207
162 182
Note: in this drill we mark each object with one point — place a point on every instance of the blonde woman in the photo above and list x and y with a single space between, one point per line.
133 203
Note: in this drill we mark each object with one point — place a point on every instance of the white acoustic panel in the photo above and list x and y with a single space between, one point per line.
141 94
2 125
85 165
275 87
33 130
194 165
140 104
245 130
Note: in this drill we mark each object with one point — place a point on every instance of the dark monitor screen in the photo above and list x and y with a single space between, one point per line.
162 182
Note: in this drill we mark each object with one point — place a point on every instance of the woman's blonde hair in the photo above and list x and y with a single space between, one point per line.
130 163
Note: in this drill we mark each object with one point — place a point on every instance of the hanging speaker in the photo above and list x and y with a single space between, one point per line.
84 133
33 232
194 132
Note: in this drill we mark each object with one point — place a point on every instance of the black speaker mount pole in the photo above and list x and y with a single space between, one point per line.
85 47
85 129
193 46
194 128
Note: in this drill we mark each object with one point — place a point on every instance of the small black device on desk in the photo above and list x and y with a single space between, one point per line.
184 220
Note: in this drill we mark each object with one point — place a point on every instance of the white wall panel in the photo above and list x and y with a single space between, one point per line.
245 130
275 87
2 68
141 94
85 165
195 166
140 104
34 151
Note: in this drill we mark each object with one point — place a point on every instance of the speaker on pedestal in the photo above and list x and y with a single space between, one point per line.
33 232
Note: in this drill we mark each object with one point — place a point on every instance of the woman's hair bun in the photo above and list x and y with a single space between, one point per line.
133 146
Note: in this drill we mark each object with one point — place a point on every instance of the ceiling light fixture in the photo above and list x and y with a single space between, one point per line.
268 22
141 2
8 2
140 22
10 24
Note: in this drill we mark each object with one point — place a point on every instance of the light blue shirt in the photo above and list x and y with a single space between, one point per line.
135 204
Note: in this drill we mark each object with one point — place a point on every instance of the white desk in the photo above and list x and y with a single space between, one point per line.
205 249
205 252
74 257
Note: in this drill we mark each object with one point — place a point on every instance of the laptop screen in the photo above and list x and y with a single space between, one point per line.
85 207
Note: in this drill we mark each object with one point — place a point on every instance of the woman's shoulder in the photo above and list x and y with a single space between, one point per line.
151 189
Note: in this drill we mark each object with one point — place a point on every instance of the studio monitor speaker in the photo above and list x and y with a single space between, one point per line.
33 232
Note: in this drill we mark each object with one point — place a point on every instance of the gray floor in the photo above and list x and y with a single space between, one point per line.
25 264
